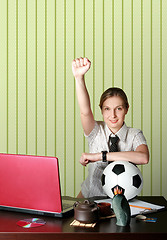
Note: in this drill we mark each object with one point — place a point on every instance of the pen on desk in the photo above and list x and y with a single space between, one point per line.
141 207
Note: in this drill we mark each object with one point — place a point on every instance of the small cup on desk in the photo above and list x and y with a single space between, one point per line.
104 209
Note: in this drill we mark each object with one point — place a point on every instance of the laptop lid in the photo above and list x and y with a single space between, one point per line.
30 184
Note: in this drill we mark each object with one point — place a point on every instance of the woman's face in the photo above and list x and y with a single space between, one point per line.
114 111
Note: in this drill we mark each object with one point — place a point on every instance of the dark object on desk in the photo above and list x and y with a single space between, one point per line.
121 209
86 212
104 209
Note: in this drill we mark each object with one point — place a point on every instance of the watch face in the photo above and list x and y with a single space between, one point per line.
104 156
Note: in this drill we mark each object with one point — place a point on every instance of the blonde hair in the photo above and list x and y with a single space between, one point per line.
110 92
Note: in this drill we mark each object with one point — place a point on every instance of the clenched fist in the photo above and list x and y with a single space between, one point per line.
80 66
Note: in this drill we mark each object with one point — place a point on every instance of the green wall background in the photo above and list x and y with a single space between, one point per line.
126 40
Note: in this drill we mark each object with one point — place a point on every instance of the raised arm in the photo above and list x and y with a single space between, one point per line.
79 67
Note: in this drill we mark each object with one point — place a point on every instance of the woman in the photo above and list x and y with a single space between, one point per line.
114 106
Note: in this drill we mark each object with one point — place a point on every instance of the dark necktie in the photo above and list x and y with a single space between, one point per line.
113 144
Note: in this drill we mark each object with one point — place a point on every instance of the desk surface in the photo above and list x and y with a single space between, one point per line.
56 228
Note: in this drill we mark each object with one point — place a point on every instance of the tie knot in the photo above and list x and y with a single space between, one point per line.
114 139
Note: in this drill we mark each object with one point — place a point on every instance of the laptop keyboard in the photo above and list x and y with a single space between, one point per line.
67 204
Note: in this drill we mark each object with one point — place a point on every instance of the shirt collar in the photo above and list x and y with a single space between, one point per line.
121 133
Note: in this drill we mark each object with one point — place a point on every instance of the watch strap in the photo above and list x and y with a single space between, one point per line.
104 153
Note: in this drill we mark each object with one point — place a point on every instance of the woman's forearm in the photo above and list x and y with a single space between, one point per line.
136 157
82 96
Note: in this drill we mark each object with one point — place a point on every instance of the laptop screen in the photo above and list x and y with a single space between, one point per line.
30 182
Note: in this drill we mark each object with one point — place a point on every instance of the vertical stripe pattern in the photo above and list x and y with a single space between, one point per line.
126 43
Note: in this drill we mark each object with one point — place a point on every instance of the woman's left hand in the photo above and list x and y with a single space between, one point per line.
90 157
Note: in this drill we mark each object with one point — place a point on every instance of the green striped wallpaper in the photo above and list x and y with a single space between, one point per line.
126 40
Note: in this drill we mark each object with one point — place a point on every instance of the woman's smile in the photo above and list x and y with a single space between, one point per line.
113 121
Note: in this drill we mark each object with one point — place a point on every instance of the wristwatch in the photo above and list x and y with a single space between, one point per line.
104 153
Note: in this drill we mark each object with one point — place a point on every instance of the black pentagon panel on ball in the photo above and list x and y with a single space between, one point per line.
118 169
103 179
136 181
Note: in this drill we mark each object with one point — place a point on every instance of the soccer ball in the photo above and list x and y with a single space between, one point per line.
123 175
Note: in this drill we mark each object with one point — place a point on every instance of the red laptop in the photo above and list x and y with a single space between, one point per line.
31 184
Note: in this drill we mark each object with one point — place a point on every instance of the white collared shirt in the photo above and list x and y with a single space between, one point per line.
129 140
